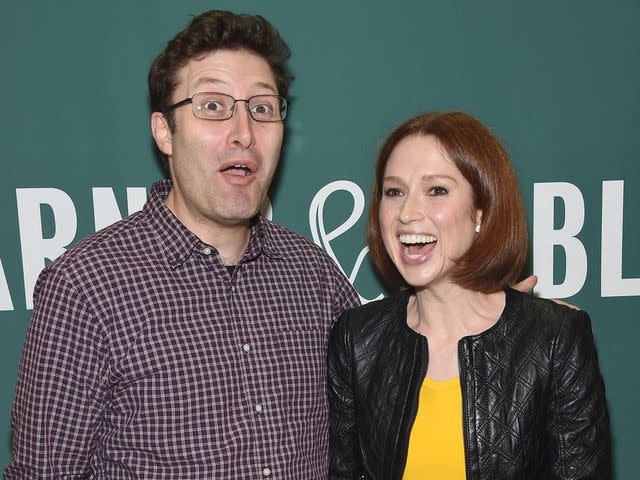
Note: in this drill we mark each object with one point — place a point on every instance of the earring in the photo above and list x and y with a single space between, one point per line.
478 228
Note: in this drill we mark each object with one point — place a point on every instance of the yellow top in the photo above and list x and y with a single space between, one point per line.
436 446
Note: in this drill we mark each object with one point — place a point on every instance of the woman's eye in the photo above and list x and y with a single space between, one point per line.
391 192
438 190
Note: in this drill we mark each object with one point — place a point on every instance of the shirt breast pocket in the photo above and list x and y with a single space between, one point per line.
302 360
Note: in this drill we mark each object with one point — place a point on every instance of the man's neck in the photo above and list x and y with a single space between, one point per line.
230 244
229 240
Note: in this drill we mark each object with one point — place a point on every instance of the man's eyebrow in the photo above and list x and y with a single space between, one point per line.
216 81
266 86
206 80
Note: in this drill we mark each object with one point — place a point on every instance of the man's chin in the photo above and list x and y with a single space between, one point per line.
237 218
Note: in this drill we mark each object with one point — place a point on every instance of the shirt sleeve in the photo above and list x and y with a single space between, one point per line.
581 441
345 296
61 384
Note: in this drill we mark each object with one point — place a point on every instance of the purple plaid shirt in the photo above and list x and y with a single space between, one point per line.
145 359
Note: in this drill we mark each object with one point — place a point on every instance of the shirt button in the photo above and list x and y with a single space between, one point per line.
206 251
246 347
258 407
266 471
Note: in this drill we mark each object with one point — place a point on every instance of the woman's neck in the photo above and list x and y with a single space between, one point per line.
451 311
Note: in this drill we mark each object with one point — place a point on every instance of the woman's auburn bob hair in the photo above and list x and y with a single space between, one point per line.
499 251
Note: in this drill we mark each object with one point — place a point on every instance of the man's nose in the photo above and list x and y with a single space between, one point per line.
242 125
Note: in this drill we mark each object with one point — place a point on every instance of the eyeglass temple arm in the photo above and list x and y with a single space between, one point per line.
176 105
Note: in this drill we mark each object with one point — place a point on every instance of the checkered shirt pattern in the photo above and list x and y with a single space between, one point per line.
144 358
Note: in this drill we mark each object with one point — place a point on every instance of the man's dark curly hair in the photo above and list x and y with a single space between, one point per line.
211 31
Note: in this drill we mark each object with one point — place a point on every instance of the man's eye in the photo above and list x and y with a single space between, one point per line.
262 109
212 106
391 192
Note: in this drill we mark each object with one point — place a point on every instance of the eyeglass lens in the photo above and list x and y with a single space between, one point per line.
219 106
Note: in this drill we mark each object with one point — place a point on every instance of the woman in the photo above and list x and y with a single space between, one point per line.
457 375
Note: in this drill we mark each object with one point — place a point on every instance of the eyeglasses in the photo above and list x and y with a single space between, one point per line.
220 106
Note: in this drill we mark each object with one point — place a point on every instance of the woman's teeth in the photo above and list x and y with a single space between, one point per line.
413 239
413 244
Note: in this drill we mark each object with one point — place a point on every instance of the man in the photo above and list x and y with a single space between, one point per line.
188 340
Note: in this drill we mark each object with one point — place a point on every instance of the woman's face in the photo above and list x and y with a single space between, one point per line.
426 212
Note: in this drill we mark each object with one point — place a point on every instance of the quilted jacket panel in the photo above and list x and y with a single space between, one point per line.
533 398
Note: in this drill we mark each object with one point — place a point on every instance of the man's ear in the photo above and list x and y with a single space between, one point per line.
161 133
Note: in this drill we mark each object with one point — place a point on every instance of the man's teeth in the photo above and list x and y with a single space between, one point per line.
246 169
413 239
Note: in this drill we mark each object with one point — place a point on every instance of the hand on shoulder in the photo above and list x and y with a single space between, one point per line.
527 285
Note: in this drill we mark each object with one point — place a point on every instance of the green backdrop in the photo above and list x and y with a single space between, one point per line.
557 81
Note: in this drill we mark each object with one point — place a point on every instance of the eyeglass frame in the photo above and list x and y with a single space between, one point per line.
188 100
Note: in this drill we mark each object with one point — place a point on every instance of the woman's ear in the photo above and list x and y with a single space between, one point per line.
478 220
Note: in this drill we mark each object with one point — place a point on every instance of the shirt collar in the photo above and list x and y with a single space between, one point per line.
263 240
179 242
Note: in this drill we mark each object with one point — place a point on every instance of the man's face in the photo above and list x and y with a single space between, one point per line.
221 170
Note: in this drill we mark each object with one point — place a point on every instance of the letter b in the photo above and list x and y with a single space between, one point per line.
545 237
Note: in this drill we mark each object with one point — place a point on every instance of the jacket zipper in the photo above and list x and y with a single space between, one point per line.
465 418
414 408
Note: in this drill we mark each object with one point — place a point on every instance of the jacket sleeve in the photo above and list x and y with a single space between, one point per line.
344 461
580 436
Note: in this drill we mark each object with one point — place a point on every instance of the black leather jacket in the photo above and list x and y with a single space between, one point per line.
533 399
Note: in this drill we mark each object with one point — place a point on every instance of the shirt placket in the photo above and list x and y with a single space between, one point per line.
260 409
